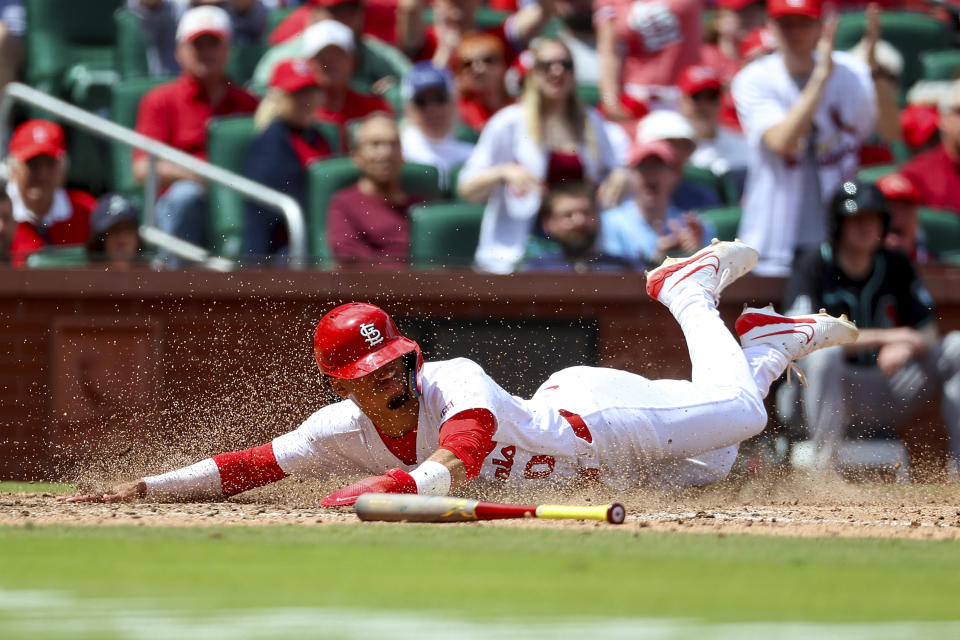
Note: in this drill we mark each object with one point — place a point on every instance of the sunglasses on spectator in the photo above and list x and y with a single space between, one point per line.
425 99
547 65
711 95
467 63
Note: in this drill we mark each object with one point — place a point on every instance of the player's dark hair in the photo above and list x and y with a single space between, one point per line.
566 190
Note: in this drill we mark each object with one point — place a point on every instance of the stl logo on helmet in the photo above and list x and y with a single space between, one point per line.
371 334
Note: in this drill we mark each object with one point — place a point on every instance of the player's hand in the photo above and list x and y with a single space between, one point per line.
689 234
824 65
519 179
871 35
392 481
121 493
893 356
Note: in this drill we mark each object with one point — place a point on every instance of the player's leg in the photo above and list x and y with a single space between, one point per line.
948 365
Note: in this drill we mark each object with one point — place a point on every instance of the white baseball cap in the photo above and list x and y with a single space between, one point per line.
204 20
324 34
664 124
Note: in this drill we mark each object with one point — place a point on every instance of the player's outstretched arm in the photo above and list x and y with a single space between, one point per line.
127 492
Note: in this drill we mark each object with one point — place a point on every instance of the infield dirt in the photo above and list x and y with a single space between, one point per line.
784 504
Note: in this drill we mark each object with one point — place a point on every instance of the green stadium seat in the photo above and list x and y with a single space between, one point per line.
243 60
725 220
58 257
941 229
940 65
445 234
872 174
275 17
70 50
589 94
329 176
228 141
131 49
126 99
483 18
911 33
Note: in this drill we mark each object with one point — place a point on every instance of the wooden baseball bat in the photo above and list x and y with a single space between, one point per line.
394 507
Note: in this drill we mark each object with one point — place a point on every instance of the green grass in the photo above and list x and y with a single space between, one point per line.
35 487
470 571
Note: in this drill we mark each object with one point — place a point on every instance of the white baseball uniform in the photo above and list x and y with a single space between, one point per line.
619 427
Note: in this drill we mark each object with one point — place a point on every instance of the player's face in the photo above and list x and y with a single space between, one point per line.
37 179
657 181
378 153
121 244
332 66
703 106
302 105
386 388
432 112
798 35
482 70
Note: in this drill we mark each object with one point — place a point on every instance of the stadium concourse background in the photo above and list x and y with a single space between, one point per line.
97 364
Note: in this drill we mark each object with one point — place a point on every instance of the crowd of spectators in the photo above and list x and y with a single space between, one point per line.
595 135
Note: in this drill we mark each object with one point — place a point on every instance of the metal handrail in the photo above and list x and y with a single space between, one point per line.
296 226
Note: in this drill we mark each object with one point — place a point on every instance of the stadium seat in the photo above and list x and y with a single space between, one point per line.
941 230
126 99
707 178
911 33
228 140
329 176
444 235
275 17
70 51
58 257
483 18
940 65
589 94
725 220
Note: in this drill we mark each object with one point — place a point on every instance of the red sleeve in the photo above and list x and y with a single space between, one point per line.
244 470
153 118
343 235
469 436
290 26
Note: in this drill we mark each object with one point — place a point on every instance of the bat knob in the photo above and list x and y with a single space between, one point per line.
616 514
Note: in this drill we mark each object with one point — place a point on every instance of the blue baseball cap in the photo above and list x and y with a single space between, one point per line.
425 76
112 209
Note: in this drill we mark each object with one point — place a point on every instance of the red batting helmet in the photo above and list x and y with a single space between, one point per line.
355 339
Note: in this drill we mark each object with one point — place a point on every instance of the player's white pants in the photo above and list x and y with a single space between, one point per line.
675 432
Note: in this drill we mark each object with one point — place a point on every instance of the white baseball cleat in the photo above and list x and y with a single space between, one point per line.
711 269
794 336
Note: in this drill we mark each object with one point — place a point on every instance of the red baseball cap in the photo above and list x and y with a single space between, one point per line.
896 186
355 339
697 78
809 8
292 75
638 152
758 42
38 138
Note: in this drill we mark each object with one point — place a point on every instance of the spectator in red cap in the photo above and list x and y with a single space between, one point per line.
718 148
279 156
805 111
648 227
453 19
643 45
937 172
376 63
367 223
44 212
177 114
904 233
329 49
547 138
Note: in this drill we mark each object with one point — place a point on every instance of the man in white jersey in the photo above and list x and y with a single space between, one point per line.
437 425
805 111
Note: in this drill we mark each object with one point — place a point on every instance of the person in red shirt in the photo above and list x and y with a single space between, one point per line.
177 114
367 222
904 233
937 172
329 49
481 70
44 212
453 19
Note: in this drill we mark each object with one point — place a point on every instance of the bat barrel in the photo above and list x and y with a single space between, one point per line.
612 513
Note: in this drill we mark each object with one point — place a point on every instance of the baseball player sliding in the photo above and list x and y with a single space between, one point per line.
428 428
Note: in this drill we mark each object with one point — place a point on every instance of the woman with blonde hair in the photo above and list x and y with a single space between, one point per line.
286 144
547 138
